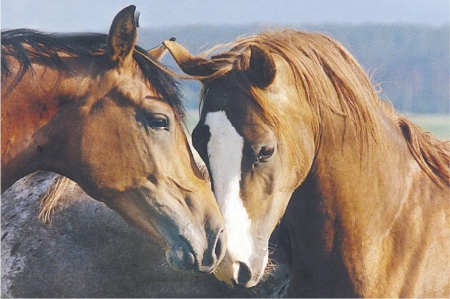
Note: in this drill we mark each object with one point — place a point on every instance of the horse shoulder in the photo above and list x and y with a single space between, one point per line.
421 233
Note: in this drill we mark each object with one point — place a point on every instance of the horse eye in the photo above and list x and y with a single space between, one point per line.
158 122
265 153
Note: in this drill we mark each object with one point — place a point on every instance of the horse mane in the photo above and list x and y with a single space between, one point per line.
26 45
334 83
432 154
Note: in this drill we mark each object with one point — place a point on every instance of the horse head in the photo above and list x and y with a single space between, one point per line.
247 141
110 119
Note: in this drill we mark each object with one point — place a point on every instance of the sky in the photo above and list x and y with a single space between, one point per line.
97 15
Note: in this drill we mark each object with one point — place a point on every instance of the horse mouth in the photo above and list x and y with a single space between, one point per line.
188 255
238 273
181 259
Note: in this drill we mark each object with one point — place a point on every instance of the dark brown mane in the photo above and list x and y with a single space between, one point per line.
25 44
335 84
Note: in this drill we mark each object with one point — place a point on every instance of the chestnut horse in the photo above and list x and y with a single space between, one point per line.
101 111
291 125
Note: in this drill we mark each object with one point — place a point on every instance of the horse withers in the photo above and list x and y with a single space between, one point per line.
291 125
101 111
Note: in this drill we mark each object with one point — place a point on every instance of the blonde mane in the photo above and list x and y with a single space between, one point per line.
334 83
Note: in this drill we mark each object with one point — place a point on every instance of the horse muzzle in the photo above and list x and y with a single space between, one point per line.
242 274
203 259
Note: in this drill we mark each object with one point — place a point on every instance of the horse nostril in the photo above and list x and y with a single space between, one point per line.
180 259
189 260
214 254
219 250
244 274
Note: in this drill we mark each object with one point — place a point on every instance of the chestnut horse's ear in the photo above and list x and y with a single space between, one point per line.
191 65
262 67
122 36
159 52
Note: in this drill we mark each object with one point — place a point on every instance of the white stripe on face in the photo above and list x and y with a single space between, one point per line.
225 148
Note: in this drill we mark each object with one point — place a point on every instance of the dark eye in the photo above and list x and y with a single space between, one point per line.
265 153
158 122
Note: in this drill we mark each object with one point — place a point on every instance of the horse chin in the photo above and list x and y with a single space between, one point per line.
228 276
180 258
179 252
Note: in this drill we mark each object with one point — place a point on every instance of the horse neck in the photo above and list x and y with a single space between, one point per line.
27 111
353 195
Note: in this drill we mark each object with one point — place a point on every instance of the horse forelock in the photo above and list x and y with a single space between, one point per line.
311 59
161 79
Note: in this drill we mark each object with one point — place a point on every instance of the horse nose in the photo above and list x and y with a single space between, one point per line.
212 257
220 246
180 258
242 274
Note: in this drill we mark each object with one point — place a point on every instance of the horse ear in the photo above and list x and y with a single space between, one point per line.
122 36
191 65
262 67
159 52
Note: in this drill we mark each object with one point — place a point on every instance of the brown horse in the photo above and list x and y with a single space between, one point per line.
101 111
291 122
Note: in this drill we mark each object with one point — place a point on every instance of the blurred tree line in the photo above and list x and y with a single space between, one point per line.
409 63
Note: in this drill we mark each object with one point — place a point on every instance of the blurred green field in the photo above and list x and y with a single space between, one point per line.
439 125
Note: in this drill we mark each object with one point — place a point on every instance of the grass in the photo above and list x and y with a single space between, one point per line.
438 125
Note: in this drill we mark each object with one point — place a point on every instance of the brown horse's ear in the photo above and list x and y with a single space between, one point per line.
191 65
159 52
262 67
122 36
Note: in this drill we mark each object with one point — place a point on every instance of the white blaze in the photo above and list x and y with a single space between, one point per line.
225 148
